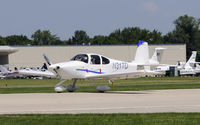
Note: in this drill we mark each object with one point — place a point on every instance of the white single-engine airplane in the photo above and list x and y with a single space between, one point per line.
94 66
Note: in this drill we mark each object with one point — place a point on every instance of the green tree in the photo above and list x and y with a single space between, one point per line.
115 37
99 40
2 41
129 35
45 37
37 37
17 40
155 37
80 37
132 35
186 31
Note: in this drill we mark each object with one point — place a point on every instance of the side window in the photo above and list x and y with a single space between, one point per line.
95 59
105 60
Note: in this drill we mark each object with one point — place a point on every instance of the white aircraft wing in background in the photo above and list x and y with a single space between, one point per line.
30 72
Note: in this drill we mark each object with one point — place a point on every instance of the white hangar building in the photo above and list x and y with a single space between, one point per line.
4 54
32 56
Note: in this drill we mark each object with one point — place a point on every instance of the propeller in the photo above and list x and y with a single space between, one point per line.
47 59
54 69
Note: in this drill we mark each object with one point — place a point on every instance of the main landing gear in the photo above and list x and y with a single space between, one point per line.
102 88
72 87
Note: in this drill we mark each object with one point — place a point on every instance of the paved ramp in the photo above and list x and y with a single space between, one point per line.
187 100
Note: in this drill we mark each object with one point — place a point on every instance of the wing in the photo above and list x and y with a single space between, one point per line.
36 73
124 75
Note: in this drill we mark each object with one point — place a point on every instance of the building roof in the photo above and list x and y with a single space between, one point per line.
7 50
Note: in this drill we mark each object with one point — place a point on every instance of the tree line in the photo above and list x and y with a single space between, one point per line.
187 30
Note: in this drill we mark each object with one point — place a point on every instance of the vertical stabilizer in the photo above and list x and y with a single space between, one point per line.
3 69
157 55
142 53
191 59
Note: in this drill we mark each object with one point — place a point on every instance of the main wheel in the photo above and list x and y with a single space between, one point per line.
71 88
102 89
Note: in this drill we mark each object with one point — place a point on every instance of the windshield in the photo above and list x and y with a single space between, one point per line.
81 57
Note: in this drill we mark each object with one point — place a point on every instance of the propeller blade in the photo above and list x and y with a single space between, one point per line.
47 59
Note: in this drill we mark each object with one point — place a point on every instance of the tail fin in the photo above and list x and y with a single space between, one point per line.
44 67
142 53
3 69
157 55
191 59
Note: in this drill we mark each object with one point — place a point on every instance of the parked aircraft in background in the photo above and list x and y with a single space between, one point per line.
153 61
191 67
43 72
5 73
156 58
26 72
94 66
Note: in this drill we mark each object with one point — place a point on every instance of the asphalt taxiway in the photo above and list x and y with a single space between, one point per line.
181 100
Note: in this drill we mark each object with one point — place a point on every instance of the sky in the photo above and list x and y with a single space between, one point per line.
96 17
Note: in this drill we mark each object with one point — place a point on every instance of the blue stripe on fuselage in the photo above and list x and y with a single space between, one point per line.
90 71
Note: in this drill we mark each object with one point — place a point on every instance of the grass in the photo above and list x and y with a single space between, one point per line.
102 119
47 85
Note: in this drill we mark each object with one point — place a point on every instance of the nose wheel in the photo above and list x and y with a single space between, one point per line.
70 88
58 88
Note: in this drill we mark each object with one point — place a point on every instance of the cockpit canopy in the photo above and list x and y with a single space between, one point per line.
92 59
81 57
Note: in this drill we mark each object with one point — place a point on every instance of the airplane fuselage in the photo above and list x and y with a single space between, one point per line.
94 65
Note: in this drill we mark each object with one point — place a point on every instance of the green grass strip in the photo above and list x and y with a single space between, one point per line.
102 119
47 85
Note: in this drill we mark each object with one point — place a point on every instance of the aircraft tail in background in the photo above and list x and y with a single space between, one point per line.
157 56
191 60
3 70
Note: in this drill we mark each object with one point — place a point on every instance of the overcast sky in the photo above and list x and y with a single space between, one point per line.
96 17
